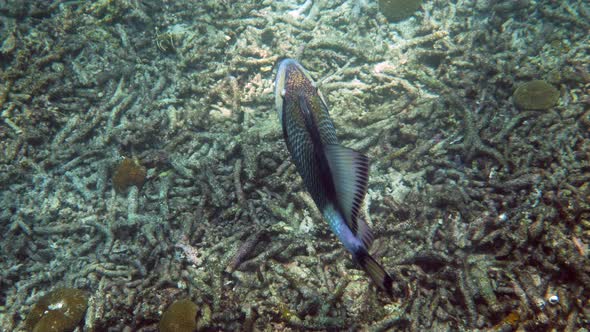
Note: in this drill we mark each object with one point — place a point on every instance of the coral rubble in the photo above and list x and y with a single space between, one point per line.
478 201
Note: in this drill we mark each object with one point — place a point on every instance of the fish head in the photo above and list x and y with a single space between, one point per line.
291 81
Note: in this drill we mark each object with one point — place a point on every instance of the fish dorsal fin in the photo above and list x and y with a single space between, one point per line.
350 174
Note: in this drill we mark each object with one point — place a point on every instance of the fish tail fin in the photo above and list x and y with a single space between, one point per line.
375 271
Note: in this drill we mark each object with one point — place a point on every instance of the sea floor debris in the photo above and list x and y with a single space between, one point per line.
481 209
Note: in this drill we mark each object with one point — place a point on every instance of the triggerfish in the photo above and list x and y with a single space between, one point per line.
335 176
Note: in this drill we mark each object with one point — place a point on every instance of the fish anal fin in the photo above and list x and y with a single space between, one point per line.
350 174
375 271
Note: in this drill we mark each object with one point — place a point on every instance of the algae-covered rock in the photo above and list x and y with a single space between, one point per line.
128 173
396 10
181 316
58 311
536 95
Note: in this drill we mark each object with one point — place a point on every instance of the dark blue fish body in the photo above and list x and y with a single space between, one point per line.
336 177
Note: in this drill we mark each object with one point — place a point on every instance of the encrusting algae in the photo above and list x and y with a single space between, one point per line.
508 323
58 311
181 316
128 173
397 10
536 95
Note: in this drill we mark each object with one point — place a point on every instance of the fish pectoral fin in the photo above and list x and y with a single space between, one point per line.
306 113
350 174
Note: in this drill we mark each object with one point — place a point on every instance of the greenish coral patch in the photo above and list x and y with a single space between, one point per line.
58 311
536 95
181 316
397 10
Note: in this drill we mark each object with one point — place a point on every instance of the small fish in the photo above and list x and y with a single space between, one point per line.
336 177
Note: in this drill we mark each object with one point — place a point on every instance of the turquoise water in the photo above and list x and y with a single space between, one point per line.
143 163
